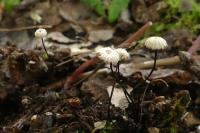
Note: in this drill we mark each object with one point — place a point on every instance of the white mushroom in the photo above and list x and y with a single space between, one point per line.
156 43
108 55
40 33
123 54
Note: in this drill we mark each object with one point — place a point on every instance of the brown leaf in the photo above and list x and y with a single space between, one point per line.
153 130
191 120
100 35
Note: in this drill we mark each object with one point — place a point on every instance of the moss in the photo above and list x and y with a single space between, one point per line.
174 18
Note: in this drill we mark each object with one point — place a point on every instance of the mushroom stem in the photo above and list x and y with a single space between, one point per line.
147 78
79 71
142 100
44 47
154 65
112 91
127 95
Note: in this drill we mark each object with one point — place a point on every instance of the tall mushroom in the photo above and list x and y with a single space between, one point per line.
41 33
155 44
109 56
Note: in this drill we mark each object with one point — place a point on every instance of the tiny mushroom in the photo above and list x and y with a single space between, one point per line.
155 43
123 54
108 55
41 33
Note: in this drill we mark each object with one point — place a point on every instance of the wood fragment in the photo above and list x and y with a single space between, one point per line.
24 28
162 62
136 36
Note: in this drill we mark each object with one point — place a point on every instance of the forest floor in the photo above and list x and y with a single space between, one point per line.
35 93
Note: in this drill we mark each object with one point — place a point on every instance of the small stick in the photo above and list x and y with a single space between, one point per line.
134 37
162 62
63 63
25 28
195 46
79 71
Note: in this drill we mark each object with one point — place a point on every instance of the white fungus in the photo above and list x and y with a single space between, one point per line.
108 55
156 43
40 33
123 54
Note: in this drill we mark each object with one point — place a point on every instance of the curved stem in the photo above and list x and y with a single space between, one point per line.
127 95
142 101
112 91
44 47
146 88
110 98
154 65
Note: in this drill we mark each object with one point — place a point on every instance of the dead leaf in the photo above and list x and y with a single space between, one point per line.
153 130
175 76
191 120
100 35
74 11
95 87
99 125
59 38
119 98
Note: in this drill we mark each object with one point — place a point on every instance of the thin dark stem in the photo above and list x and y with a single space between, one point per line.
110 98
127 95
141 111
112 91
44 47
146 88
154 65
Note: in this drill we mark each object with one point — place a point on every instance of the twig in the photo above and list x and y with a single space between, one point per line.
195 46
35 109
63 63
160 62
54 86
78 72
25 28
135 36
88 76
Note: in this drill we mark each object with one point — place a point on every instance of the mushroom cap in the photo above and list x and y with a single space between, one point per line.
108 55
40 33
123 54
156 43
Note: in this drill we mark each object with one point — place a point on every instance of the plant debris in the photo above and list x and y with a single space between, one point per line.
74 90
